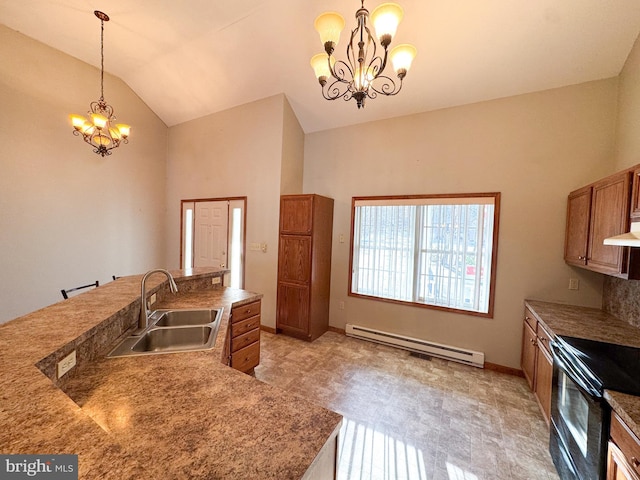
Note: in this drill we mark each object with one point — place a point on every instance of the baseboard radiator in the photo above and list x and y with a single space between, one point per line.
468 357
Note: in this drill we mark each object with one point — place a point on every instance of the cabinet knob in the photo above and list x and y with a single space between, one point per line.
635 462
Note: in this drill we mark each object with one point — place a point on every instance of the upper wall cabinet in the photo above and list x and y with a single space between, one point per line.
596 212
635 196
577 233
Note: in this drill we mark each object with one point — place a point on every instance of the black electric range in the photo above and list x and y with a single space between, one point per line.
607 365
582 370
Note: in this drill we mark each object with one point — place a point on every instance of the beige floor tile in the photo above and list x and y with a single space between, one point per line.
412 418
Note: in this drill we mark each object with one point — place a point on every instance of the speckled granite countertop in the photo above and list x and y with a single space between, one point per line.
183 415
594 324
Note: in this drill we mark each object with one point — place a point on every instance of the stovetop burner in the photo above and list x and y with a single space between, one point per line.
617 367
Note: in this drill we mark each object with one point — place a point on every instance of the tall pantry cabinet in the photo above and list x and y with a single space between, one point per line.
304 265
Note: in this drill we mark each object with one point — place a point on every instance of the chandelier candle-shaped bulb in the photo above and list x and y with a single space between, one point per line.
401 58
124 129
362 78
385 19
100 121
77 121
329 25
321 68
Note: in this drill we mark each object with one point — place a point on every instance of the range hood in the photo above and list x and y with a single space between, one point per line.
631 239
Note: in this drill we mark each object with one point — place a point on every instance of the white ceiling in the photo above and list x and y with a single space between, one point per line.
187 59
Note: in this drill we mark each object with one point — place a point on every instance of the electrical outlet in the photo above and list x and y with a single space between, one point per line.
263 247
342 238
216 280
574 284
66 364
151 301
341 305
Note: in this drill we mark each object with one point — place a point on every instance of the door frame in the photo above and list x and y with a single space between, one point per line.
244 226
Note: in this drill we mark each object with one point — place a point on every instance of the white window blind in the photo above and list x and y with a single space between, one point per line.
426 250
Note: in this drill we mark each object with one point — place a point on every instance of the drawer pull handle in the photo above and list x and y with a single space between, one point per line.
635 462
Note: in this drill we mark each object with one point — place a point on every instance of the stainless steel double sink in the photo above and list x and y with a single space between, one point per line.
171 331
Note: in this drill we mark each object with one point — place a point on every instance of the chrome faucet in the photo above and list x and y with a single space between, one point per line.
144 312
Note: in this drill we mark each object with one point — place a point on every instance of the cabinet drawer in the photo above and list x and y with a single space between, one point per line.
543 338
246 358
240 328
245 340
626 441
530 319
245 311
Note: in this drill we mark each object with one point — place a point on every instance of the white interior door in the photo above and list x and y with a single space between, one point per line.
210 239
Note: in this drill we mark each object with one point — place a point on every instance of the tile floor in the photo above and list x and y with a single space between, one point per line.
412 418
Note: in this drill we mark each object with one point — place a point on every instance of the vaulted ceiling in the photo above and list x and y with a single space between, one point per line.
190 58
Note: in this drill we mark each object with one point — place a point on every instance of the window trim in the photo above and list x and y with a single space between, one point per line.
494 253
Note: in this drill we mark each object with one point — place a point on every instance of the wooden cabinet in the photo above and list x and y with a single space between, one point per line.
537 362
635 196
594 213
244 338
544 376
624 452
529 350
577 231
304 265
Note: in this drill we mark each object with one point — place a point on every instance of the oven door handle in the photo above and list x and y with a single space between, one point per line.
575 375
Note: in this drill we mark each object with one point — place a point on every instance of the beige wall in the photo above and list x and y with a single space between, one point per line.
237 152
68 216
292 153
533 148
628 128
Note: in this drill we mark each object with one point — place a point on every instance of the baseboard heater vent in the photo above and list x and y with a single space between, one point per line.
468 357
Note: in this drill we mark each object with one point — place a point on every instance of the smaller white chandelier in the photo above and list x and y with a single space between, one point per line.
362 76
101 132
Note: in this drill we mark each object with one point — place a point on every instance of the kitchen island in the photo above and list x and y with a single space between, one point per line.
180 415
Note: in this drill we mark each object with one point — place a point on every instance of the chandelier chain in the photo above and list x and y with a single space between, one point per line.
101 60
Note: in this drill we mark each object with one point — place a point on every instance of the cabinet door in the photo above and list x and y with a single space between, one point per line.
617 466
544 381
293 308
529 350
296 214
577 230
294 259
609 217
635 195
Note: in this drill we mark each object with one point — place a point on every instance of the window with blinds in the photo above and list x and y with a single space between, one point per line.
434 250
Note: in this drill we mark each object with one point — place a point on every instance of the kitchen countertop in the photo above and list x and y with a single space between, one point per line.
594 324
181 415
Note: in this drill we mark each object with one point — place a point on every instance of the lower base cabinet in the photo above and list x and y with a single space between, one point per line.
623 460
537 361
244 338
